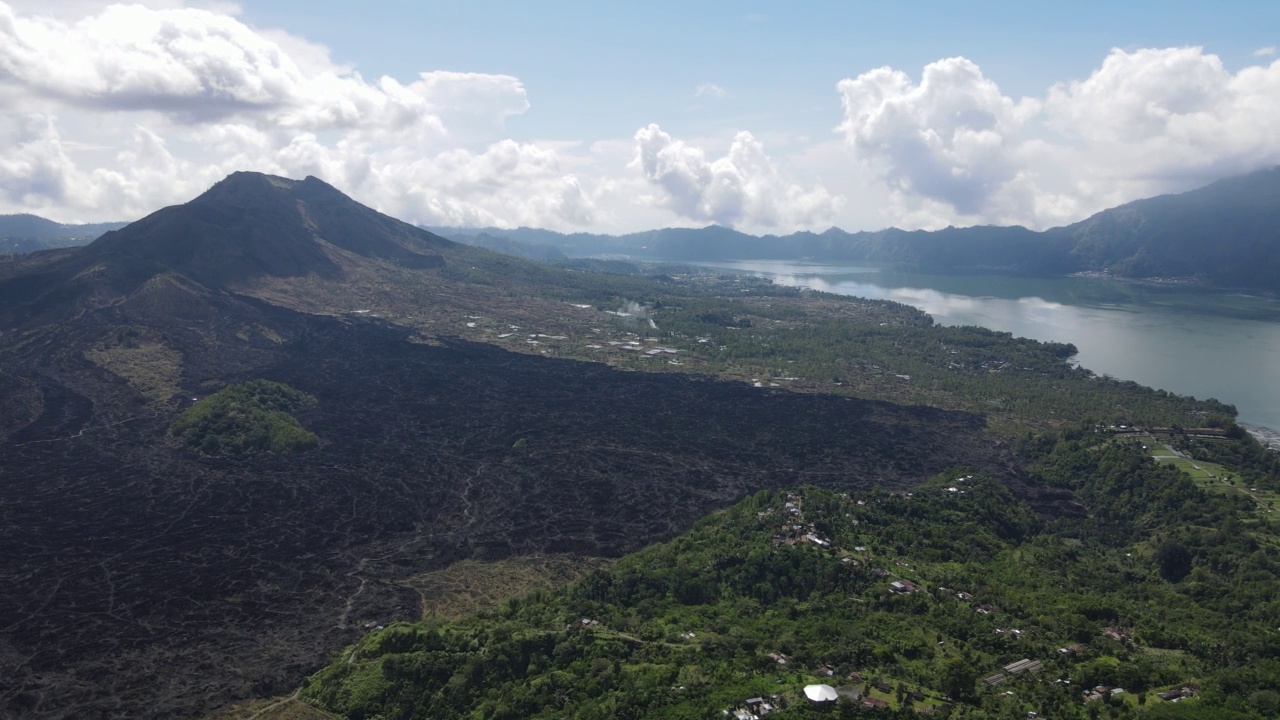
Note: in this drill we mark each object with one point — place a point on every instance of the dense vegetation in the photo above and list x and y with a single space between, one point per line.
1158 586
134 594
1256 464
893 352
247 417
747 328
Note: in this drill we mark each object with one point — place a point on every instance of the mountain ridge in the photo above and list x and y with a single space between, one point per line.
25 233
247 229
1226 233
280 240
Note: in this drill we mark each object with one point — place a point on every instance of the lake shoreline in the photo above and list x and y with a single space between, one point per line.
1267 436
1187 283
1178 337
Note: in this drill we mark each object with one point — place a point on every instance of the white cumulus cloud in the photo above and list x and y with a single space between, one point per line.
954 148
112 111
132 57
743 187
33 165
947 138
198 66
172 98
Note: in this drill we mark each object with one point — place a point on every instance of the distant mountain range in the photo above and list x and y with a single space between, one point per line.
28 233
508 246
1225 234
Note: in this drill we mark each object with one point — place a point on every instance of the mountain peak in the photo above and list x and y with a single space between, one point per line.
246 188
251 224
247 228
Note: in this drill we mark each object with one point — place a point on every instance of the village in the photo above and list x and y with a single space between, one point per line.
878 692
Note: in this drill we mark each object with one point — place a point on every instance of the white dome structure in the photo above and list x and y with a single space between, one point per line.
820 694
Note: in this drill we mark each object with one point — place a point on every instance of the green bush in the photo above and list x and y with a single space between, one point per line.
245 418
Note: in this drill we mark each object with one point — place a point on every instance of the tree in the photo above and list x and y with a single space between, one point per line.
957 679
1174 560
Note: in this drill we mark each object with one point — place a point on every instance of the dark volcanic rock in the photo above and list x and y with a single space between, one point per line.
139 580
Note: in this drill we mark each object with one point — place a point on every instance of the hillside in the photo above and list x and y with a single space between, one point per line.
1226 234
165 556
954 598
29 233
507 246
246 229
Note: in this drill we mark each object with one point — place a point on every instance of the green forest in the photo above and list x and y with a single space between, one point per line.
246 417
1143 595
801 340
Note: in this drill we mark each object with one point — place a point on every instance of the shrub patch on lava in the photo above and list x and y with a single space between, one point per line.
245 418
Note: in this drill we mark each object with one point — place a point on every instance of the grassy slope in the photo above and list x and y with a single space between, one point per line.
686 629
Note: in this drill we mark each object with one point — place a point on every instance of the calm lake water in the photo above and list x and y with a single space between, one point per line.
1188 341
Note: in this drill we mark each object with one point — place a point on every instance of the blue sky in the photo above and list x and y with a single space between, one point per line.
598 70
608 116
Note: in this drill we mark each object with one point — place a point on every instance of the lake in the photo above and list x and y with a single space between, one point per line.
1189 341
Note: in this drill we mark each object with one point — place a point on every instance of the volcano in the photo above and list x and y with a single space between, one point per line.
140 578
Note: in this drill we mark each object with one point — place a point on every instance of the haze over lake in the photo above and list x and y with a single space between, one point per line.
1188 341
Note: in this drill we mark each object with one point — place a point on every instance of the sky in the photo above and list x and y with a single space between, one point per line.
617 117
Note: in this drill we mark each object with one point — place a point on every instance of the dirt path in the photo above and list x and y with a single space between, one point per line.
277 704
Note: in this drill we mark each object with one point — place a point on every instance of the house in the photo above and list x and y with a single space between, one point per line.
780 658
855 676
827 670
1115 634
820 542
875 703
759 706
882 685
995 679
902 587
1177 693
985 609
